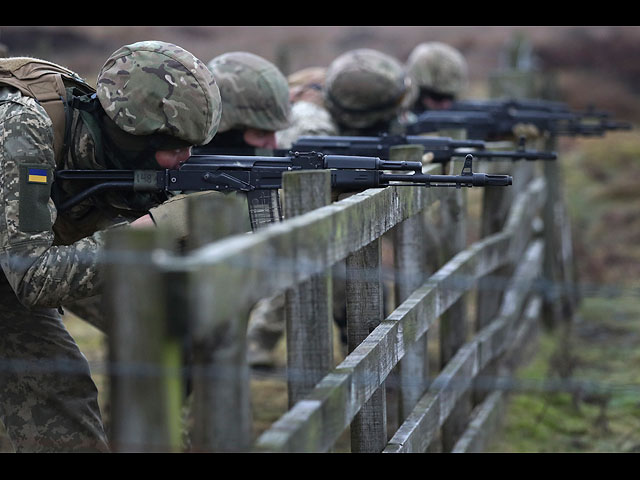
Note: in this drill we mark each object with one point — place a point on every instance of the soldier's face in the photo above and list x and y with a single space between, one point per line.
437 104
260 138
172 159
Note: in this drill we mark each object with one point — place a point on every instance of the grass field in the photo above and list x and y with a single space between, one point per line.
584 384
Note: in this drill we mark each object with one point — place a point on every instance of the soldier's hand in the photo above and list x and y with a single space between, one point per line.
171 214
144 221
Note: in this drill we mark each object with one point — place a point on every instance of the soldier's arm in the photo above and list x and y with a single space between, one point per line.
40 273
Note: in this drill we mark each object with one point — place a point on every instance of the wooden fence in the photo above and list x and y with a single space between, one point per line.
479 303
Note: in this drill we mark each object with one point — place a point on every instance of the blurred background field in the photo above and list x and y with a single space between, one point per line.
581 392
593 64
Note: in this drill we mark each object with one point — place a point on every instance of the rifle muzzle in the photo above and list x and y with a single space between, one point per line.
612 125
489 180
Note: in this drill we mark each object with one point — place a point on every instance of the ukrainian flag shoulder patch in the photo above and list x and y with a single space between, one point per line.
37 175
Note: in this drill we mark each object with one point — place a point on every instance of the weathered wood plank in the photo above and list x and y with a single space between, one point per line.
219 371
411 269
364 313
431 411
486 417
241 269
471 358
453 324
309 333
144 345
402 328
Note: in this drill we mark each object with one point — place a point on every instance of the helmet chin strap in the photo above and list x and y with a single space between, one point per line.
88 107
139 153
115 148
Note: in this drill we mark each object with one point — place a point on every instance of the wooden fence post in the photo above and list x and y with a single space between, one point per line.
513 82
495 208
496 204
144 344
364 313
308 315
559 296
453 324
510 83
221 407
410 271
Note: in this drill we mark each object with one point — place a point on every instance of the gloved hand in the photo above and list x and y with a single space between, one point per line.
527 130
172 214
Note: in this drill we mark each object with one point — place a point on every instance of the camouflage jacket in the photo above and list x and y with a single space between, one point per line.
306 119
42 268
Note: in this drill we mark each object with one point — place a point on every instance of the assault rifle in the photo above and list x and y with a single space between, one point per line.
537 104
492 119
256 174
589 121
380 146
442 149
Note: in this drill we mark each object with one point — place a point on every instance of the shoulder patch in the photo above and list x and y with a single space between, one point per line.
38 175
35 191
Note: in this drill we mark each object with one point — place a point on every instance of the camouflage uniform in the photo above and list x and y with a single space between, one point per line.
48 401
308 113
307 118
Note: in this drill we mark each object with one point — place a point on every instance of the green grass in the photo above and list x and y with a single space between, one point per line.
594 409
595 405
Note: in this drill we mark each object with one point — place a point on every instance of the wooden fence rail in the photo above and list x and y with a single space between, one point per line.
165 303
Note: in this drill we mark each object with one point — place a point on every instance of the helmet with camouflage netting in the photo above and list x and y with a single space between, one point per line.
364 87
255 94
439 68
160 89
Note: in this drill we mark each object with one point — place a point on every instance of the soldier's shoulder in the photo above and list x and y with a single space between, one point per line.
13 103
303 110
20 113
25 122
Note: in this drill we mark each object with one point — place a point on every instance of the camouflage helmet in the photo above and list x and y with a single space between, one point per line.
438 67
364 87
153 87
255 94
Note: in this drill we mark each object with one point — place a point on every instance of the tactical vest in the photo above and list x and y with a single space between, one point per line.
54 87
47 82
